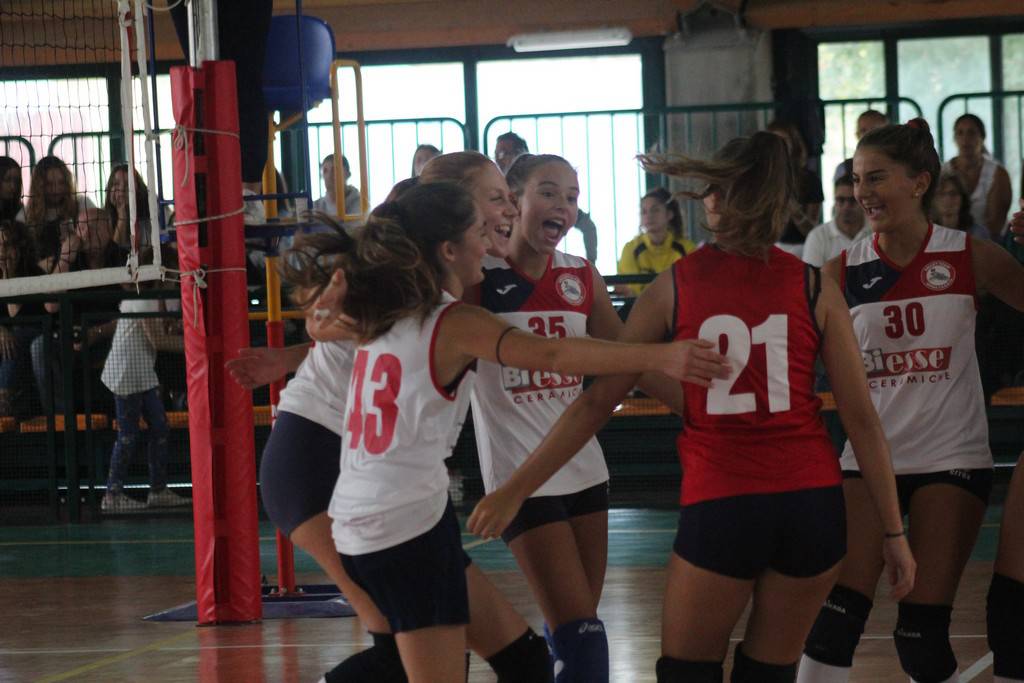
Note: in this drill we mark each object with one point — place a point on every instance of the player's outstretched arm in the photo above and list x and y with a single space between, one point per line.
996 272
254 367
585 417
845 369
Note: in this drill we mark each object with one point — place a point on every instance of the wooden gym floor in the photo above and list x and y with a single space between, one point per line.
74 598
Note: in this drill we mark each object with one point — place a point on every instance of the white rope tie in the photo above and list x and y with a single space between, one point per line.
179 138
198 282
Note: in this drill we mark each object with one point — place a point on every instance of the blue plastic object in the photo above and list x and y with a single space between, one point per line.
282 88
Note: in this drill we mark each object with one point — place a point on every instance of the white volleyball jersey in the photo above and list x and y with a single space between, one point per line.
399 422
514 409
318 390
915 328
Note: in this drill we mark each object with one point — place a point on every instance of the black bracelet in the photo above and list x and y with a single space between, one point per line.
902 533
497 345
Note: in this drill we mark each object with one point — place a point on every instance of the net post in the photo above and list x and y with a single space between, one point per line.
207 170
275 339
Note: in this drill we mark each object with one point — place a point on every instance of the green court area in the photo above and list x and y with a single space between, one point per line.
150 546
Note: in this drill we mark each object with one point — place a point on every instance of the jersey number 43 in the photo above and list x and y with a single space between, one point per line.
374 425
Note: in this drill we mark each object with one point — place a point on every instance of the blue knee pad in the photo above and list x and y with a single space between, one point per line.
922 642
671 670
1006 626
838 628
747 670
581 651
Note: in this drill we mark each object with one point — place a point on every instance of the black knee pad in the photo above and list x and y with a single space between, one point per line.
922 642
838 628
747 670
1006 626
525 660
378 664
681 671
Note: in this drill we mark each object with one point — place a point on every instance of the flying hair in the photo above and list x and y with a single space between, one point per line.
755 182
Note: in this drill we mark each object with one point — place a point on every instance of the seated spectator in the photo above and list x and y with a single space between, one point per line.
951 207
116 208
329 202
804 216
130 374
510 147
421 156
11 207
866 122
16 260
661 242
51 214
987 182
847 226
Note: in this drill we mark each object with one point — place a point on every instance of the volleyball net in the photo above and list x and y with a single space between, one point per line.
78 200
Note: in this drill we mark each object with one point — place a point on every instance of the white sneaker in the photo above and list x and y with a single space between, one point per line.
117 501
166 499
254 214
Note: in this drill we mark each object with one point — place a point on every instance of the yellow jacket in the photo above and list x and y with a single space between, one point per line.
640 256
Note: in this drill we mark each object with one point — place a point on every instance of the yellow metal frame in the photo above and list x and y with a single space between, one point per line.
339 182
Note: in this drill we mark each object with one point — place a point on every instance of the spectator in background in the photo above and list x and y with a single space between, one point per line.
130 374
329 202
986 181
804 216
866 122
11 207
52 212
16 260
116 208
951 207
847 226
661 242
507 149
510 147
421 156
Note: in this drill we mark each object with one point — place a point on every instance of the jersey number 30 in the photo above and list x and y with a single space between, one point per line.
773 333
374 427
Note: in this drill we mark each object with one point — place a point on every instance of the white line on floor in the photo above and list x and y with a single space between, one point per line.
976 668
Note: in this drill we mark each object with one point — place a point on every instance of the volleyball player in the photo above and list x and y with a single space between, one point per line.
393 523
912 291
761 506
296 483
1005 608
560 537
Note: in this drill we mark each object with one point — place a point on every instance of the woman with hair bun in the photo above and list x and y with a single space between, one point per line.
660 244
761 508
912 292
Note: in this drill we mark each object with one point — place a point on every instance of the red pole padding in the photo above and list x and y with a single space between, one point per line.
207 179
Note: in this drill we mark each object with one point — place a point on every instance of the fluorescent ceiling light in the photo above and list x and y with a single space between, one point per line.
570 40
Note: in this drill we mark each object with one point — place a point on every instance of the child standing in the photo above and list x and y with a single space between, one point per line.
130 374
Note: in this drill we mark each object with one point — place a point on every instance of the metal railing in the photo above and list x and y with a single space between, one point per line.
27 151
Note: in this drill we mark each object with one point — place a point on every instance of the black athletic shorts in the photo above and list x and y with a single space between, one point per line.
298 470
977 482
542 510
419 583
797 533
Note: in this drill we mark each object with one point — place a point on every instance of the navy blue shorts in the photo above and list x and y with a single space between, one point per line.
298 470
977 482
797 533
419 583
543 510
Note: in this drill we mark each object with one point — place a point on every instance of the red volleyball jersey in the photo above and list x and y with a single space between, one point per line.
759 431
